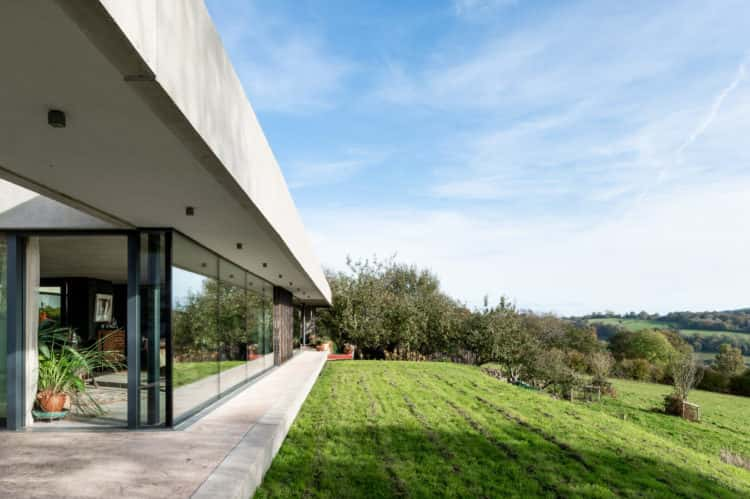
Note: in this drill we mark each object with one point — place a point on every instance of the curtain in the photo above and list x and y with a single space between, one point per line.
31 326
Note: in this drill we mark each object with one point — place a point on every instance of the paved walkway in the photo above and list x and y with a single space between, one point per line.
208 459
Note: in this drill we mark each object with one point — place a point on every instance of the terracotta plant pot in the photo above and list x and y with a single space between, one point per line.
50 401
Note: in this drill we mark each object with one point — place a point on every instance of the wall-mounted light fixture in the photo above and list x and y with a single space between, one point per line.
189 211
56 118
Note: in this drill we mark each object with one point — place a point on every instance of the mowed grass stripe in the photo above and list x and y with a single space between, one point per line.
389 429
489 467
616 447
541 459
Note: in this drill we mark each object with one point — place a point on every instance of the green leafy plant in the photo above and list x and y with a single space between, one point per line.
63 367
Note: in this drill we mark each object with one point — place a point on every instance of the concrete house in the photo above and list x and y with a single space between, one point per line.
143 215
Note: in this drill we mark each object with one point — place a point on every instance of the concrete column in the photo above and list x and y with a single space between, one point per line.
283 325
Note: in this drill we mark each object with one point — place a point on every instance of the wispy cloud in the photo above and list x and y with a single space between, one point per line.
349 163
283 69
678 251
480 7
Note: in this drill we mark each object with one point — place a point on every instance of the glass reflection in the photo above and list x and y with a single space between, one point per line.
233 340
195 311
3 328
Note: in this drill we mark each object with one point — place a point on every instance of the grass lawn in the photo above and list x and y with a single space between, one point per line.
401 429
186 372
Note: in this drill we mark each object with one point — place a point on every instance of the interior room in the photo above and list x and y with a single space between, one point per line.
82 320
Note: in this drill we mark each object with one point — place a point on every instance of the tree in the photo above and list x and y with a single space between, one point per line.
650 345
600 365
513 347
729 360
685 373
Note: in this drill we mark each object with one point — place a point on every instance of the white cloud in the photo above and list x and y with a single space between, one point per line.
284 69
292 75
681 250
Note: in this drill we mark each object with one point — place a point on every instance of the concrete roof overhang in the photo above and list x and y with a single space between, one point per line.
157 120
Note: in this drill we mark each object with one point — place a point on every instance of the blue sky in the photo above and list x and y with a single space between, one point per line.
574 156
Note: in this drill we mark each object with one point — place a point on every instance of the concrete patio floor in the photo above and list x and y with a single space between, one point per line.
223 454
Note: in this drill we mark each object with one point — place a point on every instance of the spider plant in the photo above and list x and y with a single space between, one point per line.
64 368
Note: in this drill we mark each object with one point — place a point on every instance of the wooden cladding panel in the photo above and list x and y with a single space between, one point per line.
283 324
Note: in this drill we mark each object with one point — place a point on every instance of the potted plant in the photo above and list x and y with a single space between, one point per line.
63 370
322 345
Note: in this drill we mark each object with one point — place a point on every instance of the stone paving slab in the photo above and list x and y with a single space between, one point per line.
223 454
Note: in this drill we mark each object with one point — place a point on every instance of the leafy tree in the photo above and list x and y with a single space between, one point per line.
600 365
685 373
729 360
649 345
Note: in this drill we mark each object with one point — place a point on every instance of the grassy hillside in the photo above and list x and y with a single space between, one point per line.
708 357
639 325
631 324
400 429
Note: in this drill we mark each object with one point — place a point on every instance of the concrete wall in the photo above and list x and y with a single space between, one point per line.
179 43
23 209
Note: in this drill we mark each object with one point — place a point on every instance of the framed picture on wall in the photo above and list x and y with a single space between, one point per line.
103 308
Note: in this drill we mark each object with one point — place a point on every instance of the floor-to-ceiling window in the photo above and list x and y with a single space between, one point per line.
233 340
154 325
195 313
221 326
76 306
3 330
258 312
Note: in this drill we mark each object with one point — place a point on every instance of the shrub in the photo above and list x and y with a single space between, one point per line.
600 365
553 373
652 346
740 385
714 381
729 360
576 360
638 369
685 373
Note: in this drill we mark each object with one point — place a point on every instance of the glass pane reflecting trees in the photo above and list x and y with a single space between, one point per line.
233 340
195 311
221 326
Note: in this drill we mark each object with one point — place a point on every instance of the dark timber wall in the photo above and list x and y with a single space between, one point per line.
283 325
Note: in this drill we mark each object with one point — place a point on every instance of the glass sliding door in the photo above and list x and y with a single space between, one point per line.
267 298
233 338
221 328
195 315
3 330
256 326
154 326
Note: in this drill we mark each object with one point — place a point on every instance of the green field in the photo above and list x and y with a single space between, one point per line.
632 324
707 357
639 325
401 429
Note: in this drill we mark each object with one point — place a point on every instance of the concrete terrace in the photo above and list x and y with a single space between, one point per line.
223 454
